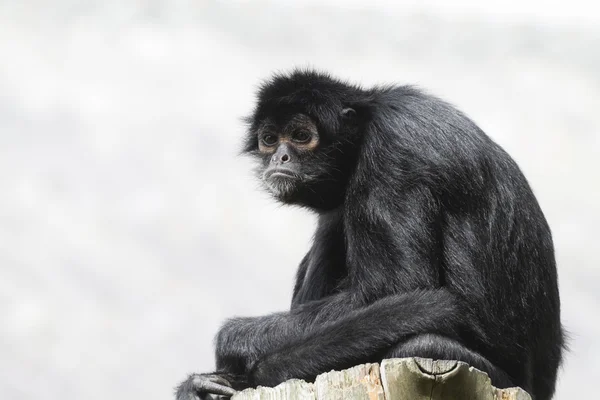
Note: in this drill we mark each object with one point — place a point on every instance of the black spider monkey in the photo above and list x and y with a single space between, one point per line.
429 243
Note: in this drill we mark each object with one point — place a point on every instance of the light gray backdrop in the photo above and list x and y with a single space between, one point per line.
129 227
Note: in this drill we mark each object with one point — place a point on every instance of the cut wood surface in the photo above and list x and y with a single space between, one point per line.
394 379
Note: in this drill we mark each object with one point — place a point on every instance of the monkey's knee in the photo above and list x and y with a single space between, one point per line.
439 347
428 346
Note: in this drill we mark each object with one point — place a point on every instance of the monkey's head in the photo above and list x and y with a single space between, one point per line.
304 133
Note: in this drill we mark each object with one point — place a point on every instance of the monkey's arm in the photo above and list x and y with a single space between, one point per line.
359 336
242 341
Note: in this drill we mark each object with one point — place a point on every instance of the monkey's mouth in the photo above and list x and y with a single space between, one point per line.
280 173
282 182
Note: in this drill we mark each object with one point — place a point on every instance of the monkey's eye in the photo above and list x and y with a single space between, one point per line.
302 137
269 140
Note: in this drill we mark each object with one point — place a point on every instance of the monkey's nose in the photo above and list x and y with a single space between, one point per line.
284 158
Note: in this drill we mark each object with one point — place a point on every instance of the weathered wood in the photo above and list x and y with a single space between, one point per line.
360 382
425 379
395 379
294 389
512 394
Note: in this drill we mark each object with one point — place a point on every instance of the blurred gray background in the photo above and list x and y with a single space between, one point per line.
129 226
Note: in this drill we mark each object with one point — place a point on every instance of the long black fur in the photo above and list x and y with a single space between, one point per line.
429 243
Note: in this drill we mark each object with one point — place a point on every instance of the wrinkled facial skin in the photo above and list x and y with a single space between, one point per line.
286 152
296 161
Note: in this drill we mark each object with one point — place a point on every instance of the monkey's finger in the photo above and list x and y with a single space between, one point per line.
210 396
214 388
218 379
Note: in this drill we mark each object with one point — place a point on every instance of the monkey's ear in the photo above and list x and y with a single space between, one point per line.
349 112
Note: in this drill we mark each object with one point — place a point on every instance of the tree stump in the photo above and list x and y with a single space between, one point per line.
394 379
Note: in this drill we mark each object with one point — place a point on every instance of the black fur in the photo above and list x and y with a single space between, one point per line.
429 243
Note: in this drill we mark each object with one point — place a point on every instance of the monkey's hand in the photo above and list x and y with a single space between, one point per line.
205 387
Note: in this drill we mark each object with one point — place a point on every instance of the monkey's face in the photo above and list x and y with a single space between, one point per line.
286 151
296 160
